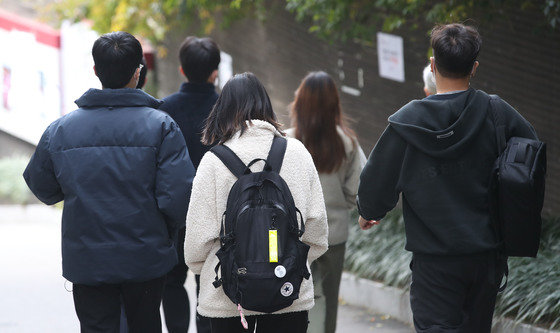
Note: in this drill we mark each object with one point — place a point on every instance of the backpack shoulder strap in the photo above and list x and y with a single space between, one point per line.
276 153
230 160
499 122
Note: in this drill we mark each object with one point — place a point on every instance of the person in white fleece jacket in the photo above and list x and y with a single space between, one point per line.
243 120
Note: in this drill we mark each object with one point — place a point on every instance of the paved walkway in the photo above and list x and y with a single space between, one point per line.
34 296
355 319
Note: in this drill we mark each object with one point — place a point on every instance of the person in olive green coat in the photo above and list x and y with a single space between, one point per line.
318 122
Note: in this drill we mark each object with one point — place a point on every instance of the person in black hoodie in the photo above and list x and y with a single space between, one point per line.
190 107
438 153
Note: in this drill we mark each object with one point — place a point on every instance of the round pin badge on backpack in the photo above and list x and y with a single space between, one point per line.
280 271
287 289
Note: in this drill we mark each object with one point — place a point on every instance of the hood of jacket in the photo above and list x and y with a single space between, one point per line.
443 125
117 98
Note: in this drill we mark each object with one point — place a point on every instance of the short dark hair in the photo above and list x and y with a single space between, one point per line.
243 98
456 47
142 76
116 56
199 57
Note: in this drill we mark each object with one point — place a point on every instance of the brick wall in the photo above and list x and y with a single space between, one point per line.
518 62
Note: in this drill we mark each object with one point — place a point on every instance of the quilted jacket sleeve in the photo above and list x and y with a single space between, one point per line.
174 177
40 175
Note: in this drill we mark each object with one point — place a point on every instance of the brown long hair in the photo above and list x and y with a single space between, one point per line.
243 98
316 114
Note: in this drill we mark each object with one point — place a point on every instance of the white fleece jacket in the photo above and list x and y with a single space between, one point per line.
210 190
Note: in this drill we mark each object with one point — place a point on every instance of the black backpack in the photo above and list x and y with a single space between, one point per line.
262 260
517 189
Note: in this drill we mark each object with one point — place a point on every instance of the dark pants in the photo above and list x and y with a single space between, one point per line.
202 323
292 322
326 272
455 293
175 301
99 307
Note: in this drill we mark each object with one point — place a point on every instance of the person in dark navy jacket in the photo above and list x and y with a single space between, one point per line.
124 173
190 107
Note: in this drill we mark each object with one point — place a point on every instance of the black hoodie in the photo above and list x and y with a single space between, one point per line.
438 152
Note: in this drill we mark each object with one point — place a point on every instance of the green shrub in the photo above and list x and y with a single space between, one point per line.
379 253
533 291
13 188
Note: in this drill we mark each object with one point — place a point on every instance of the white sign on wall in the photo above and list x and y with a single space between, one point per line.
390 56
225 69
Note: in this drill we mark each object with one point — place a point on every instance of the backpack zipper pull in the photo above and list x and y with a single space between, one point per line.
243 320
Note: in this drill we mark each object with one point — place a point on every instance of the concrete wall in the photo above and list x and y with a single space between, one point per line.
13 146
518 61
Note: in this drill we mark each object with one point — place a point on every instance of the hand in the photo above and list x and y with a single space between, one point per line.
365 224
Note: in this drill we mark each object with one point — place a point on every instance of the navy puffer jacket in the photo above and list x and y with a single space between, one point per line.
124 173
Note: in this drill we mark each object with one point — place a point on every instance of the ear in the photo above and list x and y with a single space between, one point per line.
474 67
137 74
213 76
95 71
433 65
181 71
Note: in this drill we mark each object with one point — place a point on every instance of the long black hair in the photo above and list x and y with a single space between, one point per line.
243 98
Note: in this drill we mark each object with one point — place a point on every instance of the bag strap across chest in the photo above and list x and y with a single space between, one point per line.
238 168
499 122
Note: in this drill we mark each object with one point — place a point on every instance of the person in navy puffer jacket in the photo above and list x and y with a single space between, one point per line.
124 173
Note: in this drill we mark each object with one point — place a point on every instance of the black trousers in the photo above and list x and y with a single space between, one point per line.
455 293
175 300
292 322
99 307
202 323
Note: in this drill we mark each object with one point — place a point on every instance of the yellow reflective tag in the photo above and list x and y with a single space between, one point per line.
273 245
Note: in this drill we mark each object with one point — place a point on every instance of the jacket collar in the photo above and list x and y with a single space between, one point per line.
190 87
117 97
256 127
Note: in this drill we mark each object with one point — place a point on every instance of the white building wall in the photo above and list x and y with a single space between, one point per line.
29 85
